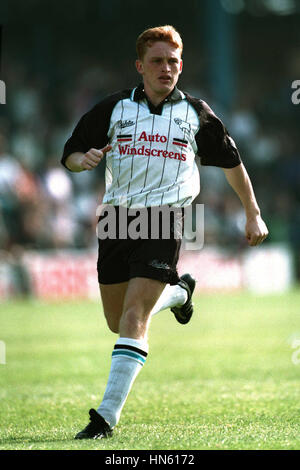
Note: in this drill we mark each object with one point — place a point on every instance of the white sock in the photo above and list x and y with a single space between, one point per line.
171 296
128 357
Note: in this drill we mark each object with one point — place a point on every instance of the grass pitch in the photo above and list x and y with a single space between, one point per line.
227 380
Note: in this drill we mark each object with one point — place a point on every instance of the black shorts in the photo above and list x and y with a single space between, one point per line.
121 259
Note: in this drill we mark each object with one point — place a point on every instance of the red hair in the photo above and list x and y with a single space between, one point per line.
160 33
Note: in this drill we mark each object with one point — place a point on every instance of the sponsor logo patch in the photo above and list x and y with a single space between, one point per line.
127 123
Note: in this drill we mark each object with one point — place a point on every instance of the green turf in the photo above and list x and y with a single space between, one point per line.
224 381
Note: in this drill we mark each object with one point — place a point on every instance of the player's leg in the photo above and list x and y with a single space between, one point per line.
152 265
141 296
129 354
112 296
170 297
113 277
178 298
159 259
131 349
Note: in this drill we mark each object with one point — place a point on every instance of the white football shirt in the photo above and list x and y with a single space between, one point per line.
152 161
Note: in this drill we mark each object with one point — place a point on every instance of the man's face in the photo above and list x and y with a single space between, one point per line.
160 68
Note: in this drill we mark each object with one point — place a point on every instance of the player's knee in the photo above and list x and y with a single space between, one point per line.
136 317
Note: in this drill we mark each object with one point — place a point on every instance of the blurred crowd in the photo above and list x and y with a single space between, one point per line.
44 206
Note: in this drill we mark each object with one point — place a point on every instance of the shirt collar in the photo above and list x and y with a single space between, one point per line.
139 94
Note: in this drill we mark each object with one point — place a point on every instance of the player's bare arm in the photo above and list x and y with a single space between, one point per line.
86 161
255 229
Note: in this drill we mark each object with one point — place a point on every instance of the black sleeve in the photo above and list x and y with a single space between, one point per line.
91 130
215 145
